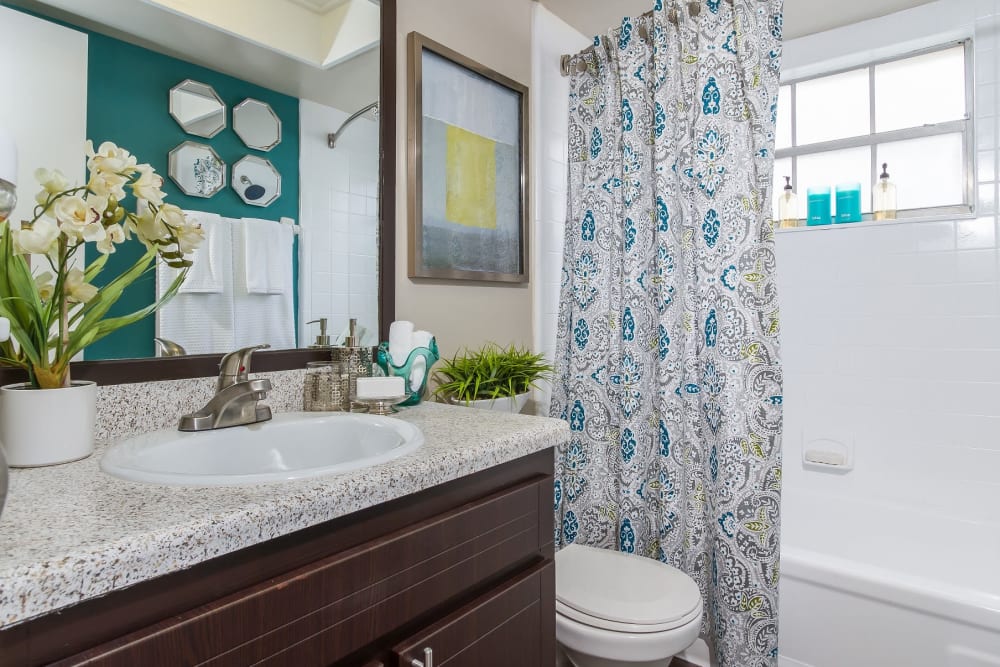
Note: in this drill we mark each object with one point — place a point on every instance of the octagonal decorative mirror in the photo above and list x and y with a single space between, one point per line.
256 181
197 108
197 169
257 125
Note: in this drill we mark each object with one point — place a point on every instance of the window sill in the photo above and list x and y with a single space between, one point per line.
878 223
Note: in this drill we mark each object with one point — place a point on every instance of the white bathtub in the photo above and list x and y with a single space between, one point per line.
871 585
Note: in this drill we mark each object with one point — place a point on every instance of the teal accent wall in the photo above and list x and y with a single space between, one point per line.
127 103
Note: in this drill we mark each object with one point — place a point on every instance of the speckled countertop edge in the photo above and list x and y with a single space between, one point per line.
71 533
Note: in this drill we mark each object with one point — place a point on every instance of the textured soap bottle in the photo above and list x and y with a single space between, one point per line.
357 360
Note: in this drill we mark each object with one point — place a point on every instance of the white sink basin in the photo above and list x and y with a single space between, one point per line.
290 446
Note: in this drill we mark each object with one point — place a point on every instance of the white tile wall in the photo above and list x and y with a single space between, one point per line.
891 333
339 220
551 38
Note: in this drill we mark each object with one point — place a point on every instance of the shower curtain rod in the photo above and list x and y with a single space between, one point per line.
694 8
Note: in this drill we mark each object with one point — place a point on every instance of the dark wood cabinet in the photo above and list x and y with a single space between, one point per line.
464 569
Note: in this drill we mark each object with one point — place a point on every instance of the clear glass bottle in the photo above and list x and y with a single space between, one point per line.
788 206
884 196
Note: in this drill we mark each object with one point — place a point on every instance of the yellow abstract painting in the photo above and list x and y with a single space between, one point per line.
471 198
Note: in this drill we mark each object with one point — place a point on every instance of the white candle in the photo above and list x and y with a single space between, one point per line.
380 387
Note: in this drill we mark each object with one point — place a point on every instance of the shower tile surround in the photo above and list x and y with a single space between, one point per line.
891 332
71 533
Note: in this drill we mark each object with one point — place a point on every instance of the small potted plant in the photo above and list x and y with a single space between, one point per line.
58 301
491 377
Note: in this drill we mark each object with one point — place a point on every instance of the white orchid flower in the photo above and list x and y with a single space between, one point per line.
110 159
81 218
52 181
45 283
4 330
148 185
77 290
114 235
189 238
36 239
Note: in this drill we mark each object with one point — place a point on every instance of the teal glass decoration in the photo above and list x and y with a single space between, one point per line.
429 354
849 202
818 206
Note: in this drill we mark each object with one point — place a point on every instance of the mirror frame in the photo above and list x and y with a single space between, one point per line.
128 371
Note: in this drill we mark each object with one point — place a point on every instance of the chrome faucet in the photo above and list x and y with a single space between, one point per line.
236 396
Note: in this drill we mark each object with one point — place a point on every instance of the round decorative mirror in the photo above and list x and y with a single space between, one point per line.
197 169
257 125
256 181
197 108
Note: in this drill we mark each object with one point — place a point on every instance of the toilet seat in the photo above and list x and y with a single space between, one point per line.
623 593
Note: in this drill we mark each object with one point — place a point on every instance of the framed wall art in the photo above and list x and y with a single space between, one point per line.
467 152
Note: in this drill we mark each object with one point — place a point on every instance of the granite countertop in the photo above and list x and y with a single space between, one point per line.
70 533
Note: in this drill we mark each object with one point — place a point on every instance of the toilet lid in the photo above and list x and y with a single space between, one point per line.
623 588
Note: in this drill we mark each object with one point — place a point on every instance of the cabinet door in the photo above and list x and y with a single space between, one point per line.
504 628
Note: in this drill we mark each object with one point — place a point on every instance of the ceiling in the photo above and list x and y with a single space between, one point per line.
802 17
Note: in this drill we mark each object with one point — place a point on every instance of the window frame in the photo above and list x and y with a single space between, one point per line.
964 126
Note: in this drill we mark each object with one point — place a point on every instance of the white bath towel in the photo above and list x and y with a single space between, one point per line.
202 323
268 256
205 277
263 318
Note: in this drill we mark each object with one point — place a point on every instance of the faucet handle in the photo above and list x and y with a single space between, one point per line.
235 366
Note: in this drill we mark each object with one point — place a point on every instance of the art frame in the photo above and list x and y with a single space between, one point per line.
468 169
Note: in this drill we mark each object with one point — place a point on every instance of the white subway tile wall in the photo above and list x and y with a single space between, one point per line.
891 340
339 272
551 38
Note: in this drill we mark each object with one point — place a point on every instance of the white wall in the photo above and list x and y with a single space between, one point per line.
891 332
46 105
551 38
339 219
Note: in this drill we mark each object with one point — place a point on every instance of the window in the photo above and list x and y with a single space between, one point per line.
913 112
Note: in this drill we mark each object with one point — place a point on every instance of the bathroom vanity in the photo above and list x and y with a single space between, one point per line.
443 557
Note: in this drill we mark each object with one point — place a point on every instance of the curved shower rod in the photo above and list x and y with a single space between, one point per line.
331 139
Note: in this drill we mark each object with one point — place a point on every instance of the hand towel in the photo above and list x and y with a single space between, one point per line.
400 341
263 318
267 256
205 277
419 370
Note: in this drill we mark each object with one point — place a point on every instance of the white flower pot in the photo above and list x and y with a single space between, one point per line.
44 427
513 404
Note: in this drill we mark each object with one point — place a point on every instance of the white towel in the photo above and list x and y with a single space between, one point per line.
400 341
263 318
202 323
205 277
268 256
419 370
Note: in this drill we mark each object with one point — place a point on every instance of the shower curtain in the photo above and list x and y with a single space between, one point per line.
667 355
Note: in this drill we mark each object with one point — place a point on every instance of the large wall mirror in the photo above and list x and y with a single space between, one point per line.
331 209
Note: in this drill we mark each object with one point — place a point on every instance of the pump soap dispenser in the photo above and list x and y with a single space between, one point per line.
788 206
323 339
884 196
358 361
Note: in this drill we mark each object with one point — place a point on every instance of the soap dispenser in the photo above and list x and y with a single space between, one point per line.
357 360
788 206
323 339
884 196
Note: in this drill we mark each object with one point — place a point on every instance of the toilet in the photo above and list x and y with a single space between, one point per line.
619 610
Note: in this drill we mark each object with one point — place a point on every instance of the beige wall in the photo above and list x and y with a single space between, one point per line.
498 35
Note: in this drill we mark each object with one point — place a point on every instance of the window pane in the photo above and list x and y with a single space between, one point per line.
783 133
833 107
834 167
782 168
927 171
900 101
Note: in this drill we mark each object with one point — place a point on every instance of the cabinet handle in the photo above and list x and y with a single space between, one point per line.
428 660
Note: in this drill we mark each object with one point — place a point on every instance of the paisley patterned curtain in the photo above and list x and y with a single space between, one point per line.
668 329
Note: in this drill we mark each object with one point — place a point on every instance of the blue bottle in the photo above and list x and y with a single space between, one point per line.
849 202
818 206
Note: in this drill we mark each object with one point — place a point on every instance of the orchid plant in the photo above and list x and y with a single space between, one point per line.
47 290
